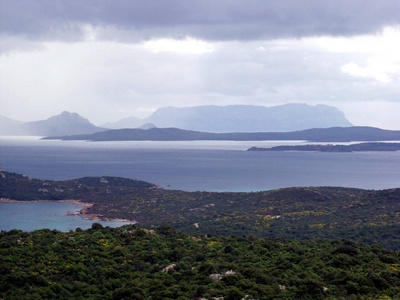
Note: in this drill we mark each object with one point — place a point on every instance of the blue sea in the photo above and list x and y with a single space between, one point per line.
198 165
53 215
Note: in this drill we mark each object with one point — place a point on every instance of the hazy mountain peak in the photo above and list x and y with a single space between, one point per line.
67 113
207 118
241 118
130 122
9 126
67 116
66 123
249 118
147 126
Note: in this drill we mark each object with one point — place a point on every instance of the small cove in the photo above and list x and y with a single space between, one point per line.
190 166
29 216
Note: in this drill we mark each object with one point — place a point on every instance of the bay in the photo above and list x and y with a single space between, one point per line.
200 165
52 215
191 166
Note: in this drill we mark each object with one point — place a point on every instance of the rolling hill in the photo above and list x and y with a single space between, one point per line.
335 134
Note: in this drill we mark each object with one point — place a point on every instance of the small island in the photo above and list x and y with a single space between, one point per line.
334 148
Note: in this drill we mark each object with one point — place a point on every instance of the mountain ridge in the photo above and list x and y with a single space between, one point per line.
334 134
241 118
209 118
66 123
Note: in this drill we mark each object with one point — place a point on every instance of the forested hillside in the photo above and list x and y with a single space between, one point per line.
301 213
161 263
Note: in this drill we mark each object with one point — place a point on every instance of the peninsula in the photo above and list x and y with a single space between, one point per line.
292 243
334 148
301 213
333 134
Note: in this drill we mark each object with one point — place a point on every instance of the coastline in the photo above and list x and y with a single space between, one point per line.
82 212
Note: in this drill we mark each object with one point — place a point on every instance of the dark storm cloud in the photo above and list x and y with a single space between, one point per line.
211 20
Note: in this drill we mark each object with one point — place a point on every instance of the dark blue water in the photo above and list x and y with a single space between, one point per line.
194 166
216 166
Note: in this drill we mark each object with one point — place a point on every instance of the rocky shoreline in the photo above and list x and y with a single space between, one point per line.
83 213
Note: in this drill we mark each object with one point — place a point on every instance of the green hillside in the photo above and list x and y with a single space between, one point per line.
301 213
161 263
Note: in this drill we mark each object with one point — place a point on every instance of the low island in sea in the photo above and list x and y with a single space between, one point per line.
334 148
333 134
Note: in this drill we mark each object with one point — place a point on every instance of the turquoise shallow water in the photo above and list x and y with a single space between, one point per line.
52 215
191 166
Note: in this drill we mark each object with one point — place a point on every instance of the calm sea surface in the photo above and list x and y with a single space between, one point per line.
199 165
52 215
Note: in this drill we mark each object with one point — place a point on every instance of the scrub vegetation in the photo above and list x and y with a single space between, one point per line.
162 263
293 243
301 213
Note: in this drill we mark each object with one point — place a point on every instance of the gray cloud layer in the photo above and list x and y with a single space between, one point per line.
211 20
92 56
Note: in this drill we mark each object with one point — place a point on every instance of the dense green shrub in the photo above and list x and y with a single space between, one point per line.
163 263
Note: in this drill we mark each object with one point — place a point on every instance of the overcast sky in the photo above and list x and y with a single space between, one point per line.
111 59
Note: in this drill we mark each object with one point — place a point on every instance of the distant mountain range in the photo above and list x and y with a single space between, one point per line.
65 123
10 127
334 134
222 119
241 118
